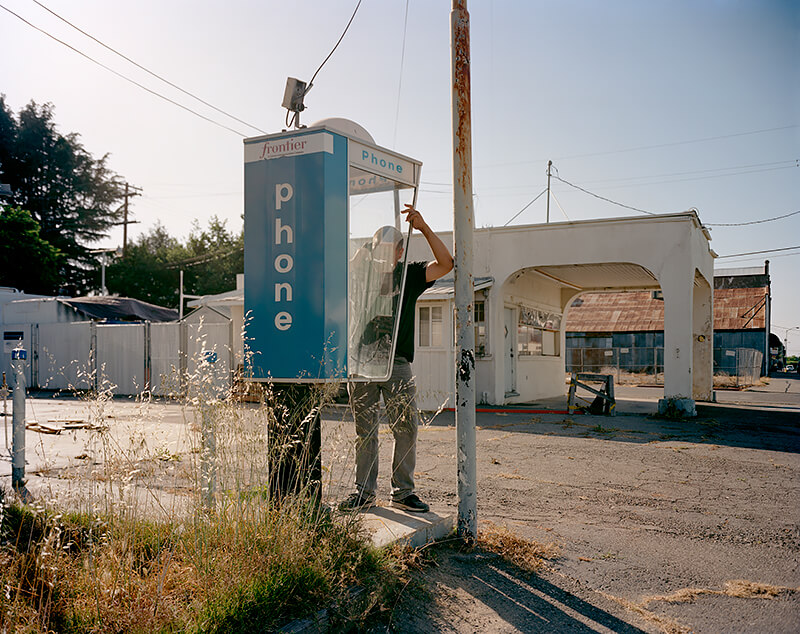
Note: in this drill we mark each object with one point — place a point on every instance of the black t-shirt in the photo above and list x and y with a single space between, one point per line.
416 284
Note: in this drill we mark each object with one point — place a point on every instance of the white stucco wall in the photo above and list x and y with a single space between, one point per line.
668 252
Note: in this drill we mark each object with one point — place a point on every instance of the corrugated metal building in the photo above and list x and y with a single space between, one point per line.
625 331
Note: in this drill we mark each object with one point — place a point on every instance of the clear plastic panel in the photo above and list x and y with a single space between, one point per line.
377 249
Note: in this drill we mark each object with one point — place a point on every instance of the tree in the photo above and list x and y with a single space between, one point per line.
70 194
210 260
26 261
215 257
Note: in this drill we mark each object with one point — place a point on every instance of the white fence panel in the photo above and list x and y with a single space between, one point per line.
433 374
120 358
165 361
64 356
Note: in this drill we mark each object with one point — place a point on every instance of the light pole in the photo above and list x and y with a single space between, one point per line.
103 261
786 332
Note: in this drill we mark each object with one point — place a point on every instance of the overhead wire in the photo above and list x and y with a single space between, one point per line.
553 194
784 163
525 207
608 200
400 80
736 255
147 70
650 147
752 222
333 50
120 75
290 122
206 257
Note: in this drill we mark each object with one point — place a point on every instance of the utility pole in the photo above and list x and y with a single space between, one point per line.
464 288
130 191
549 165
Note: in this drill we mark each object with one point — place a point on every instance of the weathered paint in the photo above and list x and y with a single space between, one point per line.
464 295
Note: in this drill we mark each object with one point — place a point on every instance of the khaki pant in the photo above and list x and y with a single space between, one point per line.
401 411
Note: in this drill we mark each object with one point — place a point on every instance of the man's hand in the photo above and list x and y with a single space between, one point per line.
414 218
443 263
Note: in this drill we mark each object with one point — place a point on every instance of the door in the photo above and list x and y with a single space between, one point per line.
509 350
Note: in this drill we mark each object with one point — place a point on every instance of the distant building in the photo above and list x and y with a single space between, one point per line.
626 330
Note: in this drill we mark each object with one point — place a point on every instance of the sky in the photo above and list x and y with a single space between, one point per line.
662 106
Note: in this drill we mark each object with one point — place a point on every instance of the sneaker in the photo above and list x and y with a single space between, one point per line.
356 502
412 504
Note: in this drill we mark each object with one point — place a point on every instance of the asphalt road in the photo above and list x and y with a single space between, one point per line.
653 517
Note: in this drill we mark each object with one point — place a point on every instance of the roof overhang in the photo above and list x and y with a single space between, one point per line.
601 277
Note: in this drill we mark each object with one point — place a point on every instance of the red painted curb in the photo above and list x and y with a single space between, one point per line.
517 410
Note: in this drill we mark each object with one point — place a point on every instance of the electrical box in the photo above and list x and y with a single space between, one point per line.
325 251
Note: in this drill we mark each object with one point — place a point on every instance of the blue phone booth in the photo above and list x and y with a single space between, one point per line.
323 265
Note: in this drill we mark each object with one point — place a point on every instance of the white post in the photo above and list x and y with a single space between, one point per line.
18 426
464 293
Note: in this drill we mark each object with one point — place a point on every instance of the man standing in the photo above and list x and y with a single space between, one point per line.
399 390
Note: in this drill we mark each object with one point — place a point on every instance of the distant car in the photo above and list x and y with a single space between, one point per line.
789 368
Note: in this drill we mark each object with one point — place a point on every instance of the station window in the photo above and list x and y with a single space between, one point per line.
430 326
538 333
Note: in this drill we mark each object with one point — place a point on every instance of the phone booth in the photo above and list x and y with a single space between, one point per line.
325 260
325 253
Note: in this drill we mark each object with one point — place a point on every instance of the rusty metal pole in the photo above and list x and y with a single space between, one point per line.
464 293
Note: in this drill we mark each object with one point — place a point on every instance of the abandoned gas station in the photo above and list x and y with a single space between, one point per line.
526 278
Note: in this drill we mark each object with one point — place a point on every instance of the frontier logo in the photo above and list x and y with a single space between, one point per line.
283 148
287 147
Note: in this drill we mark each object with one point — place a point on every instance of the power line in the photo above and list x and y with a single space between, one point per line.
784 163
773 257
400 81
674 143
700 178
525 207
648 147
120 75
608 200
147 70
754 222
736 255
206 257
333 50
295 113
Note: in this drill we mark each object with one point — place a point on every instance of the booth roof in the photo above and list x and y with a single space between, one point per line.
120 309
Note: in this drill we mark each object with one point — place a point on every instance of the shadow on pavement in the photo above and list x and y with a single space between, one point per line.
476 581
716 423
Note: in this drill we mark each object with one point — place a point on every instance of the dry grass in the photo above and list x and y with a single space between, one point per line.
527 554
737 588
667 625
187 536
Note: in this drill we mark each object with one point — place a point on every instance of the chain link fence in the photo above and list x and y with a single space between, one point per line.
737 367
632 366
733 367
